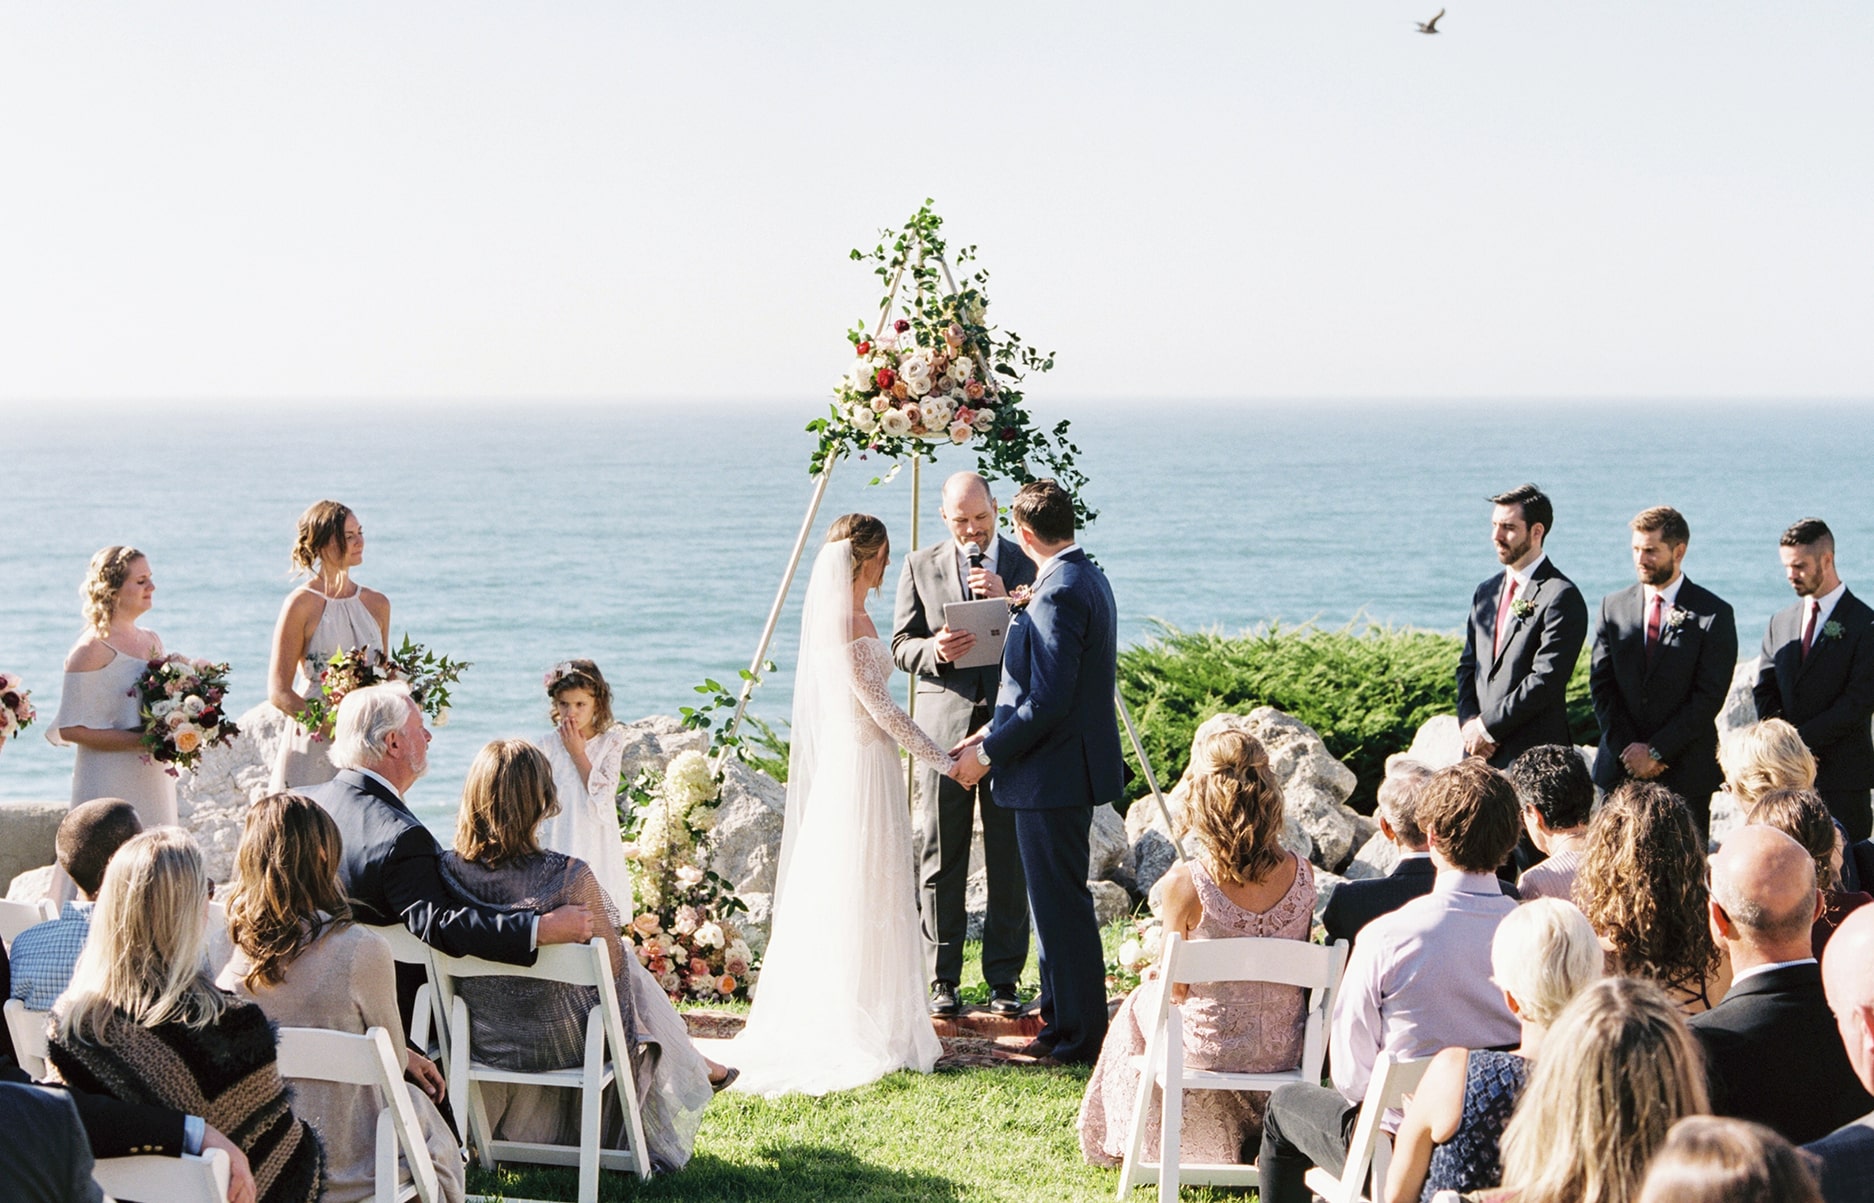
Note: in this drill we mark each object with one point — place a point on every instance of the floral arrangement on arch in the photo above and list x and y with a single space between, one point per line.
682 926
16 706
179 700
428 675
939 375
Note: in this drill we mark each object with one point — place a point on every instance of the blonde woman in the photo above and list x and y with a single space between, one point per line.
1542 955
1762 757
98 712
299 957
143 1021
531 1026
1625 1069
1242 882
329 613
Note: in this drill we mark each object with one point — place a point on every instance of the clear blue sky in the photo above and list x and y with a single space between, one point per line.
638 201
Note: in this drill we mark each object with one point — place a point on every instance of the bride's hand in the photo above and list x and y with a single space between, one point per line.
570 736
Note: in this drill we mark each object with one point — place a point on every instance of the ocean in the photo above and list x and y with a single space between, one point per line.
651 538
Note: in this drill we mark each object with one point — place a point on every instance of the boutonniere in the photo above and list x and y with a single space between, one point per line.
1019 597
1676 618
1522 607
1831 629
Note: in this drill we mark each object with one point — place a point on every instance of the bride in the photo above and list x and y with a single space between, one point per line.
840 1001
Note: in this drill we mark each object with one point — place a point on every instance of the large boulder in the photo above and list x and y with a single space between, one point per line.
652 743
1315 786
212 801
27 831
1740 707
746 843
1376 858
1437 744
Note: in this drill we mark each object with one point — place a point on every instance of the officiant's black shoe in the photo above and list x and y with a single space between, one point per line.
943 1001
1004 1002
1036 1048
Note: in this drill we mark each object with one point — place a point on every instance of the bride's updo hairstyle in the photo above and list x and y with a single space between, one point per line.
1233 805
867 534
320 526
110 568
508 792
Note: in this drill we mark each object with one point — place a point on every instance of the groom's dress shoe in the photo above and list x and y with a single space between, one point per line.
1037 1049
1004 1002
943 1000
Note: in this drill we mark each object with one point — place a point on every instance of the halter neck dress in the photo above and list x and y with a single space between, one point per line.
344 624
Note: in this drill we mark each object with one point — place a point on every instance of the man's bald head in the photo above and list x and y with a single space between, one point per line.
964 488
1848 980
1765 883
969 509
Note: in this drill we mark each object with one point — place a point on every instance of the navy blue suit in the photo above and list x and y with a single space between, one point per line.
1828 697
1053 747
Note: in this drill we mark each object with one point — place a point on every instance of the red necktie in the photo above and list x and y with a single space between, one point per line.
1652 626
1808 627
1503 615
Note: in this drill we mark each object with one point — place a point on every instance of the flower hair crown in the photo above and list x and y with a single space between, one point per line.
558 673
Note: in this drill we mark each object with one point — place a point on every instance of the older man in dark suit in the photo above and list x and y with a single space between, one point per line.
1664 651
1846 1155
1771 1047
1818 673
1053 747
951 703
1526 628
392 867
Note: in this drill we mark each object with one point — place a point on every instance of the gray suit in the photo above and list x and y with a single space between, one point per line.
952 702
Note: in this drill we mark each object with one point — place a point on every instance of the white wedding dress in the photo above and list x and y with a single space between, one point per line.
840 1000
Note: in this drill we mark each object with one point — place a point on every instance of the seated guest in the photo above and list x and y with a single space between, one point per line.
44 1156
1557 794
1762 757
43 955
1418 981
1543 954
1642 886
1354 904
1590 1121
529 1026
144 1022
299 957
1801 815
1708 1160
392 867
1772 1049
1241 882
1846 1155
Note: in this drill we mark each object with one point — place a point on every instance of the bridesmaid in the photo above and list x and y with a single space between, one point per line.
98 713
329 613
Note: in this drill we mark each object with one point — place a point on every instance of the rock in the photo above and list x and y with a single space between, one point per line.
1725 817
1740 707
1324 885
1437 743
212 800
652 743
746 843
27 832
755 924
1110 901
1376 858
30 886
1107 855
1315 786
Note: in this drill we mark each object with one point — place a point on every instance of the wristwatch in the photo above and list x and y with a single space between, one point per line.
1654 753
982 756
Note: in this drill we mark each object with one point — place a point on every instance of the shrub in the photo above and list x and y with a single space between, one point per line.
1364 689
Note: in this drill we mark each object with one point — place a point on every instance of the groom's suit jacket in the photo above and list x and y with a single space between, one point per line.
1672 703
1521 691
1829 696
946 694
1054 740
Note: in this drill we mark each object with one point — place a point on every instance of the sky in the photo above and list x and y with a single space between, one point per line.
632 202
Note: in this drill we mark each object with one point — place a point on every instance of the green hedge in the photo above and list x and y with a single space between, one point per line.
1365 690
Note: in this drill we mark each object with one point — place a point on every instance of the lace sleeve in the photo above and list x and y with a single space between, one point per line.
871 687
606 756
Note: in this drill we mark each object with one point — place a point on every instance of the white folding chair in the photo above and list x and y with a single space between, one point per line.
16 917
28 1030
1313 968
426 1016
366 1061
576 965
1369 1155
184 1179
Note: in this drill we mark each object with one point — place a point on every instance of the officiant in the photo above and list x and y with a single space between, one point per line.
952 701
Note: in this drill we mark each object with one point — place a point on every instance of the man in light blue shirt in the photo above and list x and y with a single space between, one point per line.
1416 983
43 955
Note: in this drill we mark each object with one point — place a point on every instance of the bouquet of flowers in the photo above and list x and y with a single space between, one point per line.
16 706
683 929
427 674
179 700
1135 954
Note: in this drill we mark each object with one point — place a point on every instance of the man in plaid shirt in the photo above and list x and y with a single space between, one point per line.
43 955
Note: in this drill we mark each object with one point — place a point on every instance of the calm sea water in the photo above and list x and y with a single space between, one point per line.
652 539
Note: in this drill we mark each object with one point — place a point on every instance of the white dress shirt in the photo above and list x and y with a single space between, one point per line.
1828 601
963 562
1744 975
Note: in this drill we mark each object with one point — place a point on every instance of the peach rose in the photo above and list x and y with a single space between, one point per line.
725 984
646 924
187 740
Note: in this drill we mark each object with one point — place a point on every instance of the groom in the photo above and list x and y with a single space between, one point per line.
1053 750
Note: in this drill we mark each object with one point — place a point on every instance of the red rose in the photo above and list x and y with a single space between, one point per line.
864 348
883 378
1008 434
901 325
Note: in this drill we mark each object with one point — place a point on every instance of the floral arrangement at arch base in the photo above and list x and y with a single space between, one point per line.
940 375
682 925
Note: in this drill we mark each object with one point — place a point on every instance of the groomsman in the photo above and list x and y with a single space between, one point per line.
1818 673
1525 633
951 703
1664 651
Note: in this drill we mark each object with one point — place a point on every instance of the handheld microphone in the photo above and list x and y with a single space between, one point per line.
973 552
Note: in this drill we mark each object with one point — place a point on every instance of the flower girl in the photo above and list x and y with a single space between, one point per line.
584 749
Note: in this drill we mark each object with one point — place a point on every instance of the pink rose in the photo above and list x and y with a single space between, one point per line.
973 390
954 335
646 924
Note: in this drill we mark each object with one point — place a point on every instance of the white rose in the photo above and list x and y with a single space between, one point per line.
960 369
916 371
895 424
708 936
1128 955
864 420
936 414
985 418
861 376
193 705
958 398
163 708
960 432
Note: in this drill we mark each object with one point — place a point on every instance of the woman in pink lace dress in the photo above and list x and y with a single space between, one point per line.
1241 882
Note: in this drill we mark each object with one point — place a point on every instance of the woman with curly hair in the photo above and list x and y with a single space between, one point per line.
1241 882
1643 886
1803 816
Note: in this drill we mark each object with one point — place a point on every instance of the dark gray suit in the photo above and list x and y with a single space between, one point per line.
1828 697
1520 691
952 702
